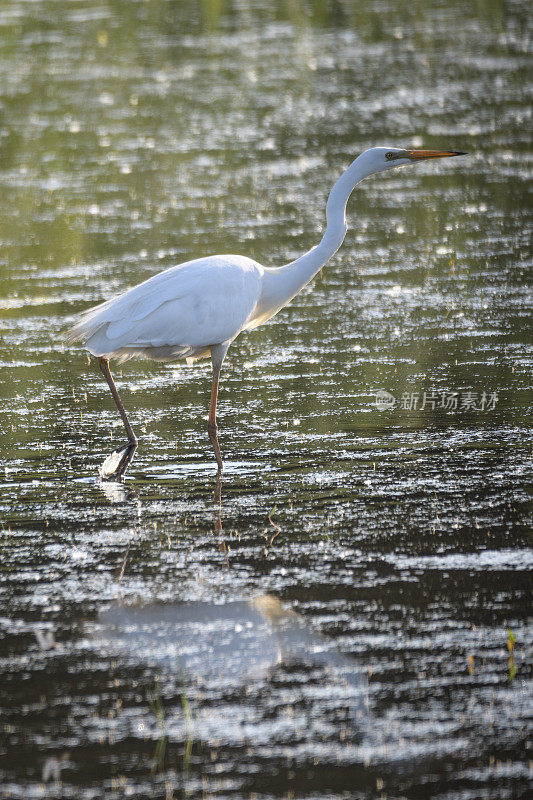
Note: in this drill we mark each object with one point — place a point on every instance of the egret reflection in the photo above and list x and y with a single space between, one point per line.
231 645
116 492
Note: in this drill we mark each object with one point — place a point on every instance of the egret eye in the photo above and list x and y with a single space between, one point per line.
390 156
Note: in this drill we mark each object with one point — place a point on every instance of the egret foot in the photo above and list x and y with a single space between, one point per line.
116 464
212 431
217 499
217 496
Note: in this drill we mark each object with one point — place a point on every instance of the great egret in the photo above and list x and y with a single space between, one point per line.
198 308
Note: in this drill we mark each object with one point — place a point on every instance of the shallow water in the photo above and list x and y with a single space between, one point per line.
134 136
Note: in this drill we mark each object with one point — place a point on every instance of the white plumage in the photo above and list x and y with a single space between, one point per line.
198 308
178 313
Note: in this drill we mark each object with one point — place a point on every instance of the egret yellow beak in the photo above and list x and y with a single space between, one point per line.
420 155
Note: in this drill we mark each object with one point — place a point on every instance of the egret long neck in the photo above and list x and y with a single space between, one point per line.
281 284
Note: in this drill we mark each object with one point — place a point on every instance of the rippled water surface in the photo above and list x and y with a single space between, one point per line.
346 614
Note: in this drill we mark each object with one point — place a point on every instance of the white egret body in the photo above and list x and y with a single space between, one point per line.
198 308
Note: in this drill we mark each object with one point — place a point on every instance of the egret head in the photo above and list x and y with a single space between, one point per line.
379 159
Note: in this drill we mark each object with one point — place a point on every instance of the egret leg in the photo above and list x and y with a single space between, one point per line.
212 423
218 353
116 464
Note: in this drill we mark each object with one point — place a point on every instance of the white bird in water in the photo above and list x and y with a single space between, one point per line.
198 308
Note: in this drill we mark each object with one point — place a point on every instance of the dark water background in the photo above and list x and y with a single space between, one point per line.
134 135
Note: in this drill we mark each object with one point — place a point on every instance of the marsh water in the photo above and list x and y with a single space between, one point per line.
346 615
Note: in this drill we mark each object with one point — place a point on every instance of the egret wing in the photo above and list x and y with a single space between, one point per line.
194 305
